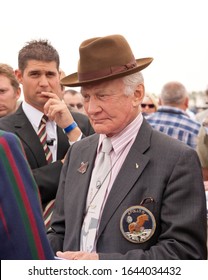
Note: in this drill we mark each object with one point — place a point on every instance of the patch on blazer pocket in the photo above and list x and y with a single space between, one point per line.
137 224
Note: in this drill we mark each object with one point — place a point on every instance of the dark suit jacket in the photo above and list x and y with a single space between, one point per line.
46 175
22 231
156 166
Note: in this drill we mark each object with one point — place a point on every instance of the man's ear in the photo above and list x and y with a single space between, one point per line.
138 95
18 75
186 102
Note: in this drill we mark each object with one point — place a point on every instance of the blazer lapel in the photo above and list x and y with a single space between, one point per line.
28 136
86 153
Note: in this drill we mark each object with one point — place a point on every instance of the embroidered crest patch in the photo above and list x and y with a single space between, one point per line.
137 224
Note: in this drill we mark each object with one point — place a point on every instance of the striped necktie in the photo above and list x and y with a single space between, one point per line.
43 137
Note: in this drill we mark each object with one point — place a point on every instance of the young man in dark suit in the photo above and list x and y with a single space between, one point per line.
38 73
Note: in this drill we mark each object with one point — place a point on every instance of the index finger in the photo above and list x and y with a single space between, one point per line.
50 94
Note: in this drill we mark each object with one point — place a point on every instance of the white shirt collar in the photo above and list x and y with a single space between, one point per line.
32 114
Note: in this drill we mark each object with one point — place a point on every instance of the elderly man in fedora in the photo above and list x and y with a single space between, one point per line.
128 191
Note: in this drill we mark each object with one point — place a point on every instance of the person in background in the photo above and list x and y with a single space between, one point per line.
9 90
38 73
202 147
202 115
127 191
74 100
22 231
191 114
149 104
82 119
171 117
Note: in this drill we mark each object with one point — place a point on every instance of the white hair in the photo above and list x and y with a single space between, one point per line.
131 82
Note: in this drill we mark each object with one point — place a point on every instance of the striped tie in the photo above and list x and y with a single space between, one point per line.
43 137
48 213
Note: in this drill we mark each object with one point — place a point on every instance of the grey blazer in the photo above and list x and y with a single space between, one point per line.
157 166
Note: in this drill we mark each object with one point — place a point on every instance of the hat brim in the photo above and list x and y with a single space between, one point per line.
72 80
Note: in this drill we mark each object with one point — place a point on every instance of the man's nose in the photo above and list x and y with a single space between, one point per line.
93 106
43 80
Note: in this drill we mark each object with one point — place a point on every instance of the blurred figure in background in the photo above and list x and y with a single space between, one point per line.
74 100
202 147
22 231
202 115
9 90
149 104
171 117
81 119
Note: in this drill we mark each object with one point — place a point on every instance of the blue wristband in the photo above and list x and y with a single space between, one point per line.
70 127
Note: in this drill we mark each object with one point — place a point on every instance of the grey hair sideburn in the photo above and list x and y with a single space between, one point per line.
131 82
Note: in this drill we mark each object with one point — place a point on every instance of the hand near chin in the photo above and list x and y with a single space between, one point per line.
77 255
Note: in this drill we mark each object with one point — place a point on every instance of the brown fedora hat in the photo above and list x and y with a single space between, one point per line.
105 58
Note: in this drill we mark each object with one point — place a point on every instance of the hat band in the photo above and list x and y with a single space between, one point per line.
106 72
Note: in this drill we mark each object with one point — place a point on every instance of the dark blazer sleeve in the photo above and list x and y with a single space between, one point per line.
46 176
22 231
83 123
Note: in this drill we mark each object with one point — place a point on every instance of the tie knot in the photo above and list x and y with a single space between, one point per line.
106 145
44 119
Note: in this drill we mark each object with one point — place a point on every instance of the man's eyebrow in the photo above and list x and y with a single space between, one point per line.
51 72
40 71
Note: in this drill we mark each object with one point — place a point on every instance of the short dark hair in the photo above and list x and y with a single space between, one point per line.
40 50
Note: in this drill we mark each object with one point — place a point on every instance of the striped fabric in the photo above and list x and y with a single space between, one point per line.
22 231
175 123
43 137
48 211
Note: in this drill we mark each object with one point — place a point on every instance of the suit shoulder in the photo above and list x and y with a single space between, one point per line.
7 120
89 140
79 116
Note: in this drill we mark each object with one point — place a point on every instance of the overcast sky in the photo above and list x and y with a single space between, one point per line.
173 32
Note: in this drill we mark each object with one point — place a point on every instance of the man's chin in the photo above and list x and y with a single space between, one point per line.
100 128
